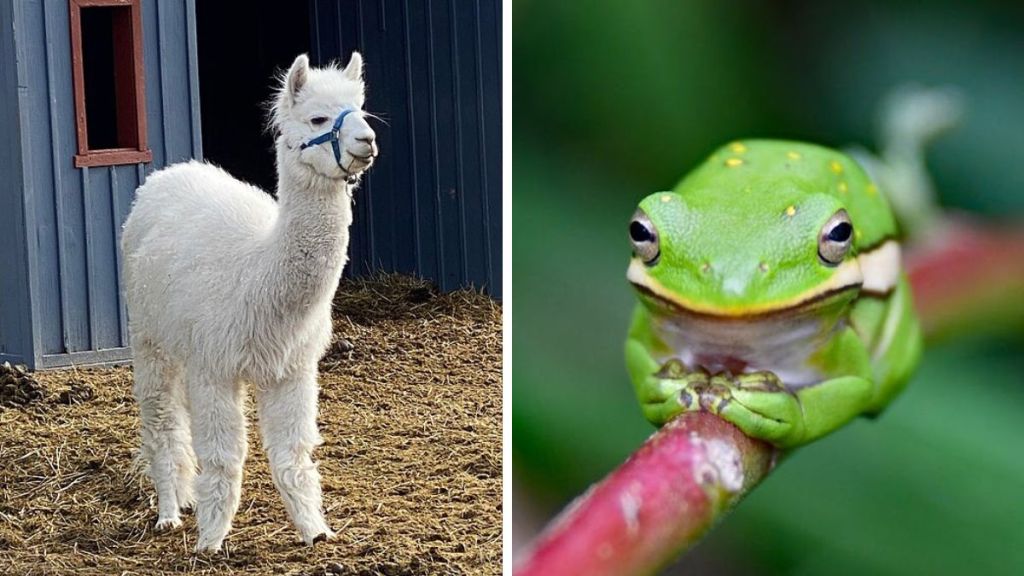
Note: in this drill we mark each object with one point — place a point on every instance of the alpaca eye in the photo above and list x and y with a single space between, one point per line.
318 120
644 238
835 238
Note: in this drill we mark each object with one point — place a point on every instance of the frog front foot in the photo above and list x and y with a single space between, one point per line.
757 403
667 392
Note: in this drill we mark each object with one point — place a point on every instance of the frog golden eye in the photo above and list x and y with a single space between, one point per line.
835 238
644 238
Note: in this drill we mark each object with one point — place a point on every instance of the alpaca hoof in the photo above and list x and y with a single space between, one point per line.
203 547
164 524
324 536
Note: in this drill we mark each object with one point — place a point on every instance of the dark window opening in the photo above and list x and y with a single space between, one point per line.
236 80
101 97
108 83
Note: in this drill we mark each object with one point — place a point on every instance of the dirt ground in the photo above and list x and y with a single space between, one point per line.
410 410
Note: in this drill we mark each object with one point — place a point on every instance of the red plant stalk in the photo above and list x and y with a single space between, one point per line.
968 274
661 500
683 479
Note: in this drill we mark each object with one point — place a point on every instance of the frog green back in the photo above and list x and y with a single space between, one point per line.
759 173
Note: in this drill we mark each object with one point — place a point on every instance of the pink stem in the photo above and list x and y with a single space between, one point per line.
661 500
967 272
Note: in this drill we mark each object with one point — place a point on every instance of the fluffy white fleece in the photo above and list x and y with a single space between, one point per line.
227 287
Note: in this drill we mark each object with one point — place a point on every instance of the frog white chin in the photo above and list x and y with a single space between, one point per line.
778 343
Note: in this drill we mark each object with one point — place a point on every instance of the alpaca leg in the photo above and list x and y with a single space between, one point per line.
166 443
218 435
288 422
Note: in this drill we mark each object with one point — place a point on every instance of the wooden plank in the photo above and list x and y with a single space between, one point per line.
371 256
431 77
103 3
474 190
120 212
154 86
108 357
91 258
460 176
162 49
482 156
78 75
394 174
112 157
193 79
492 102
139 80
102 264
16 358
174 70
72 327
411 132
18 337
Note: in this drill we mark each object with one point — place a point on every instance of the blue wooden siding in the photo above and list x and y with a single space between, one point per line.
15 315
432 203
73 228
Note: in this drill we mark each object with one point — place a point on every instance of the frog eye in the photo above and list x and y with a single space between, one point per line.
644 238
835 238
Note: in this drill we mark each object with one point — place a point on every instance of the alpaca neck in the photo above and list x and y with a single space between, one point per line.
310 238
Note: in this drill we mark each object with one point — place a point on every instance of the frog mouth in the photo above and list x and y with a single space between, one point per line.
672 305
873 271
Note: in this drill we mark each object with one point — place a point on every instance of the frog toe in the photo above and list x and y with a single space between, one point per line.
772 416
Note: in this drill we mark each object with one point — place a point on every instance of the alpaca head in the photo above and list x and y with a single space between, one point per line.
308 102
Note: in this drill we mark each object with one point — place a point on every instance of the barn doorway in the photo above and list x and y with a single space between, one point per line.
239 52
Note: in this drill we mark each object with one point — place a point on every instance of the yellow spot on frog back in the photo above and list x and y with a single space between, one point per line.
666 197
738 147
836 166
793 155
872 189
843 187
790 210
733 162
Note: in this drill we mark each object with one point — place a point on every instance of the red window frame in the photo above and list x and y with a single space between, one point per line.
129 87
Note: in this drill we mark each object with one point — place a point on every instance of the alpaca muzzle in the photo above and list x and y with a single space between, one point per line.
333 136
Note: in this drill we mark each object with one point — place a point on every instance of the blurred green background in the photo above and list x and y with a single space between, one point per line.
613 100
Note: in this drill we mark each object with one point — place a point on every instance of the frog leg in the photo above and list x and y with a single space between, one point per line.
764 408
896 347
759 405
661 388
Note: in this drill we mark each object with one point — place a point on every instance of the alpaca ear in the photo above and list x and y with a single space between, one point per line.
297 75
354 70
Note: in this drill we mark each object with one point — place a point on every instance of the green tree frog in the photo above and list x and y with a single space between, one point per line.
770 293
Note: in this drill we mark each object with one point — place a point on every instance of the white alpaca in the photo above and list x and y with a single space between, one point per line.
226 287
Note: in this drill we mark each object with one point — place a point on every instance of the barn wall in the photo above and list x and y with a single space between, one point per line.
79 211
432 203
15 321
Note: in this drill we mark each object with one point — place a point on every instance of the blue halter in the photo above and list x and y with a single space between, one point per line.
334 137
